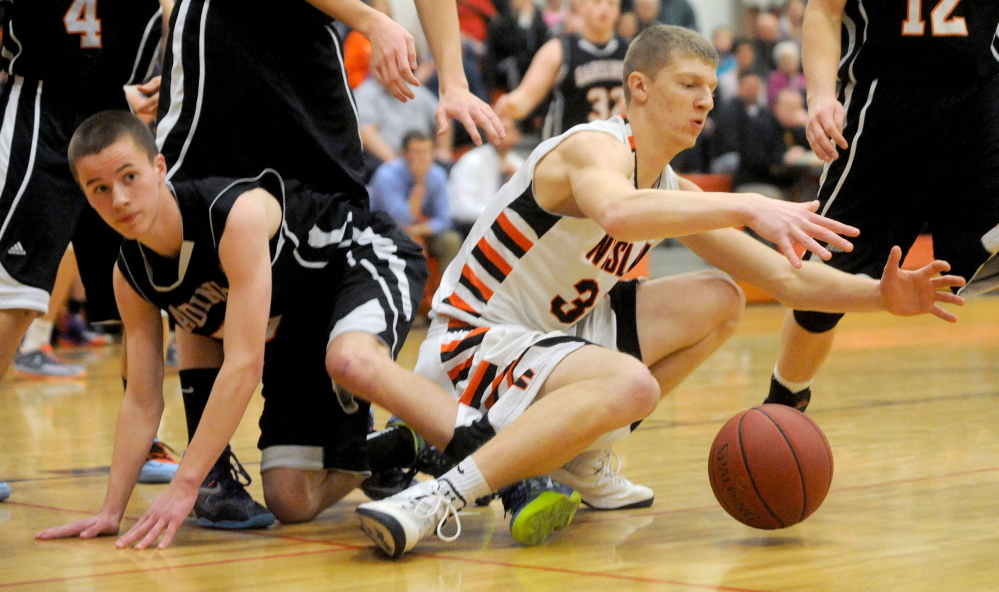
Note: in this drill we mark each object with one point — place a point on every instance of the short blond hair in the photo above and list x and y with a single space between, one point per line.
657 46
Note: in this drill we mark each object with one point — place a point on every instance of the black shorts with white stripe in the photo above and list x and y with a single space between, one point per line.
250 85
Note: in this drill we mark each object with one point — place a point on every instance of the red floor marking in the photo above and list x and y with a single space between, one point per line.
166 567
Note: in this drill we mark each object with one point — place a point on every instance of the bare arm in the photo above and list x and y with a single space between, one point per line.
816 286
820 53
589 174
245 258
138 417
439 19
536 84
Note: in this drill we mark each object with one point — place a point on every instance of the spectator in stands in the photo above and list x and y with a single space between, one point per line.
744 52
413 190
677 12
383 121
513 40
792 21
788 73
736 120
767 38
773 148
478 175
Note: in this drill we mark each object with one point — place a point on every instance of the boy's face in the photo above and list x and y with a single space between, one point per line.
122 184
680 99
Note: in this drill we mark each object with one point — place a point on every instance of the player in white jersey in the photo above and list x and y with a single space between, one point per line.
551 355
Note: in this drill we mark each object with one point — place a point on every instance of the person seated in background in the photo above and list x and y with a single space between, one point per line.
412 189
772 148
383 121
478 175
734 120
744 54
788 73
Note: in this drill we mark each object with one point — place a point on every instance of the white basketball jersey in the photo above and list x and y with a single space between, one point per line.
526 266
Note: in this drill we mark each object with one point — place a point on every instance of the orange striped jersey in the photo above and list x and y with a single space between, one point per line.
526 266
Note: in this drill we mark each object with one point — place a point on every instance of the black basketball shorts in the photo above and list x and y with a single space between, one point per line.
922 157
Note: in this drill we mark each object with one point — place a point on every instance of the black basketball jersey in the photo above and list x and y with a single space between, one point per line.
306 253
588 86
85 47
955 39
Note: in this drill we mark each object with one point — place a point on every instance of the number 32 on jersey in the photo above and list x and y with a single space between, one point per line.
941 22
81 19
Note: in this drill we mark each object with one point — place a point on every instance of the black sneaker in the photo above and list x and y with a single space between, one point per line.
781 395
223 501
388 483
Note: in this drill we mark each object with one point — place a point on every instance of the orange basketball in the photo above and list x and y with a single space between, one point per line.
770 466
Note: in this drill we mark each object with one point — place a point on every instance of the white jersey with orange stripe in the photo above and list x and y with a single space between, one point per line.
526 266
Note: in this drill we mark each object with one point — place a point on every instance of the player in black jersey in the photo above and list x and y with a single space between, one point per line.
241 92
582 70
265 278
911 138
66 59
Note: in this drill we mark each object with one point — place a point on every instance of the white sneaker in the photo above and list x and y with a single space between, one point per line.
596 476
397 523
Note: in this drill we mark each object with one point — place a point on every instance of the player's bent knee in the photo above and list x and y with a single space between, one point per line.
817 322
351 359
635 394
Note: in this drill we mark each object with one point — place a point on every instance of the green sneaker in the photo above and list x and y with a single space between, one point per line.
537 507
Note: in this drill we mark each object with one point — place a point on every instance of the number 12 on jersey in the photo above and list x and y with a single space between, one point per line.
941 23
81 19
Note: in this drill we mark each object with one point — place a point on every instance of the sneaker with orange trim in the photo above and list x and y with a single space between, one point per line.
160 467
41 364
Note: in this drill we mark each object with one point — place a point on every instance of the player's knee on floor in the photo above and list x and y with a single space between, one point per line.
297 495
817 322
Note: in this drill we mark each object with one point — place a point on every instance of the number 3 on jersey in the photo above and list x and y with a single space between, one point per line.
569 312
941 23
81 19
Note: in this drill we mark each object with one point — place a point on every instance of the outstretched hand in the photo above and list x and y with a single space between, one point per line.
167 512
909 293
99 524
788 223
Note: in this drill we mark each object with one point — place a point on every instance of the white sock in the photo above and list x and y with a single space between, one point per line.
794 387
38 334
465 482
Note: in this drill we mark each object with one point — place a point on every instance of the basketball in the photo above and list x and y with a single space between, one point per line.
770 466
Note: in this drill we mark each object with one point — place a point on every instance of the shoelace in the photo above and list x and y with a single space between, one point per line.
431 504
610 466
236 469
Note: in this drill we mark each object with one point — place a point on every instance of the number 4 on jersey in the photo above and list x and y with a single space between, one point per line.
81 19
941 23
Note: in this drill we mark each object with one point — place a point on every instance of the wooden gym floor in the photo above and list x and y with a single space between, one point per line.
910 406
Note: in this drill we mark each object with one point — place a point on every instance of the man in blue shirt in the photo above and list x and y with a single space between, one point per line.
413 190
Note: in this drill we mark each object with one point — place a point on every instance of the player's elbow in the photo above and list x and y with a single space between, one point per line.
618 221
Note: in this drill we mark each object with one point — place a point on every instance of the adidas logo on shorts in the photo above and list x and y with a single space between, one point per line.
16 249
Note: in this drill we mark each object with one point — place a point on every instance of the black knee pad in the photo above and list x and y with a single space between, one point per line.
817 322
